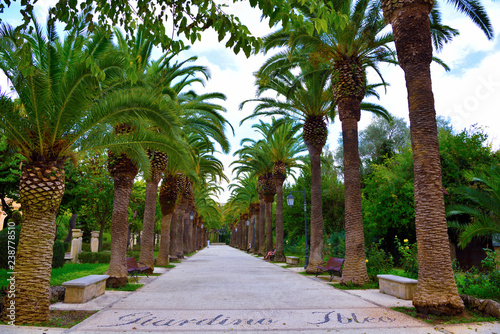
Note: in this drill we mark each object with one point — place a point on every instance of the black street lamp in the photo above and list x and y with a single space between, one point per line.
289 200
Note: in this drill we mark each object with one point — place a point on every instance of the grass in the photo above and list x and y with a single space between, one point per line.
68 272
63 319
167 266
350 286
468 316
127 287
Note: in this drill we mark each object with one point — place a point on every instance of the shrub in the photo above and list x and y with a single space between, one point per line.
85 247
106 245
96 257
58 254
335 245
377 260
4 244
409 260
482 284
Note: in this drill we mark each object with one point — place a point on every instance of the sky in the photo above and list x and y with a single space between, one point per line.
468 94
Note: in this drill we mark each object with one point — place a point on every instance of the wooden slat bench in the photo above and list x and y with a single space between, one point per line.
83 289
401 287
135 268
333 266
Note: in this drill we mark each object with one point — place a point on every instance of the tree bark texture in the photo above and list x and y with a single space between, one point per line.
40 192
316 244
118 275
164 250
173 233
436 290
269 226
180 232
148 225
279 256
354 270
262 226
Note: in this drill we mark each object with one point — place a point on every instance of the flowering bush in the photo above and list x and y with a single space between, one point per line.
377 260
408 253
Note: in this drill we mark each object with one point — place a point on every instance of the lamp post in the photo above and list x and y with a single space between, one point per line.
289 200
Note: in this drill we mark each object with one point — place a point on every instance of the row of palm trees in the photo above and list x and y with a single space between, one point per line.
84 93
322 74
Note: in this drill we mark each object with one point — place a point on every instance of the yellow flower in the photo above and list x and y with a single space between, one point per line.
406 240
366 260
407 247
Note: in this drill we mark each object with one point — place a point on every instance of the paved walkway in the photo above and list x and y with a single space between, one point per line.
221 289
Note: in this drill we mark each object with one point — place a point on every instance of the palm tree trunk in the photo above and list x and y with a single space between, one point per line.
262 226
316 245
279 256
180 232
436 290
40 191
148 225
269 226
173 233
163 259
354 270
119 231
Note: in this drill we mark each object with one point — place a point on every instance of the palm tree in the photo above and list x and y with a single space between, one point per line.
309 101
436 290
282 146
123 169
65 105
349 50
484 209
253 160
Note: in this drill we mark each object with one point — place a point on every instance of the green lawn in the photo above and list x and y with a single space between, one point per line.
68 272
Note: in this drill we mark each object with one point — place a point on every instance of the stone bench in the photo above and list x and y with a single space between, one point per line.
397 286
83 289
293 260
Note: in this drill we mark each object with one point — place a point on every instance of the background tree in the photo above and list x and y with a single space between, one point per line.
10 173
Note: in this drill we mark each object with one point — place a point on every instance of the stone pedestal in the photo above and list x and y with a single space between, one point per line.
76 244
94 242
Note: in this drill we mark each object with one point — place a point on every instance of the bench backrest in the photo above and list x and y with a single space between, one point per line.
131 262
335 262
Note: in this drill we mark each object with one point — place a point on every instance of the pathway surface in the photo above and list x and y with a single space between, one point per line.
223 290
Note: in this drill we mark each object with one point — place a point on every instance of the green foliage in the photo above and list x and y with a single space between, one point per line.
483 207
408 259
7 235
378 261
388 203
335 245
482 284
94 257
58 254
461 153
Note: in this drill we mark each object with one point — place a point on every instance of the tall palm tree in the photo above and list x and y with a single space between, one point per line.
123 169
282 146
65 105
436 290
349 50
253 160
309 101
